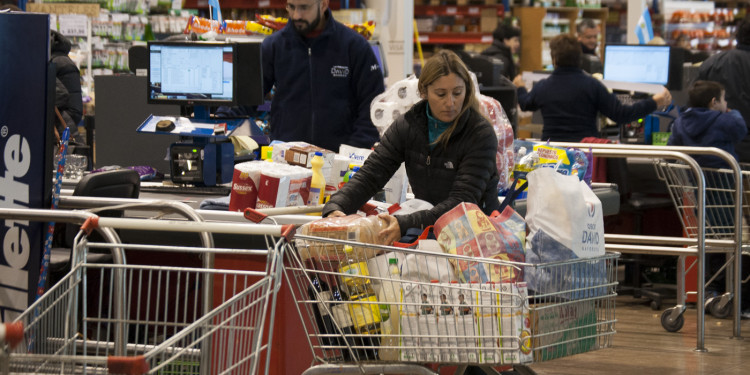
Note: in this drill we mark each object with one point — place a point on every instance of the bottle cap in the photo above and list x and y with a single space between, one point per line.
392 261
318 153
348 249
355 169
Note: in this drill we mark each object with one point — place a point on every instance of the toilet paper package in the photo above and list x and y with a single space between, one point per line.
383 114
245 182
284 186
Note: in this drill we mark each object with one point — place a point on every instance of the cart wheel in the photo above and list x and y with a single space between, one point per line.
671 325
718 312
655 305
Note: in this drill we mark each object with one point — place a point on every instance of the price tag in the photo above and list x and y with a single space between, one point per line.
473 10
486 38
264 3
73 24
451 10
424 38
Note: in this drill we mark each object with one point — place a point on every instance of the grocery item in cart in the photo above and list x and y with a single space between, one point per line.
365 311
245 183
446 322
488 330
570 328
466 230
428 350
409 321
284 186
350 228
465 325
419 267
390 297
514 323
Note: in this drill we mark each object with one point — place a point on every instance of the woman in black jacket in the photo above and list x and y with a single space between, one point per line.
68 90
448 146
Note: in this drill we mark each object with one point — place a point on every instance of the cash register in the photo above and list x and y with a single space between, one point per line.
646 65
200 76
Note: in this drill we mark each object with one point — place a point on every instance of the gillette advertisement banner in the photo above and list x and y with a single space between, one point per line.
25 105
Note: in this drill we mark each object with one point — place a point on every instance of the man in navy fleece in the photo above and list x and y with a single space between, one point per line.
570 99
325 76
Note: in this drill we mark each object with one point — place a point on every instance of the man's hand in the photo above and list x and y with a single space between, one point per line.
392 231
663 98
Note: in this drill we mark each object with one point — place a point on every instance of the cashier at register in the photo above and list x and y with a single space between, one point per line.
571 99
448 146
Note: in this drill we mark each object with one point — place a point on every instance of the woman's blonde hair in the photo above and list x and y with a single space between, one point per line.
442 64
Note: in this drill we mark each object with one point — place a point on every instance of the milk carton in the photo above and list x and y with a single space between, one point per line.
465 307
409 321
446 324
487 322
514 323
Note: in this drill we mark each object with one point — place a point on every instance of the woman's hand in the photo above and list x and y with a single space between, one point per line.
663 98
518 81
336 213
392 231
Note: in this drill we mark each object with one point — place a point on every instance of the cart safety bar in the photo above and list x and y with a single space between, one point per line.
254 215
90 224
127 365
12 333
287 231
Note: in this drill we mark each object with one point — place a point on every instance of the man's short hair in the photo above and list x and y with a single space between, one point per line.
565 50
743 31
505 31
586 23
702 92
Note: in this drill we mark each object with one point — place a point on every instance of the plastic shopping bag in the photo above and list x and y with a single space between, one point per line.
565 222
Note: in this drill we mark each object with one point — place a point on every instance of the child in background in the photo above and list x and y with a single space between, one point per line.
709 123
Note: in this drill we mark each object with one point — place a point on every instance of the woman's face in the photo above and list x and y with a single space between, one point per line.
446 96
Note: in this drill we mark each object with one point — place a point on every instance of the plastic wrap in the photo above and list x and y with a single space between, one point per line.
352 228
505 156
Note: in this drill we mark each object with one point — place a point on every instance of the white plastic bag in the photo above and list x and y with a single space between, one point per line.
568 212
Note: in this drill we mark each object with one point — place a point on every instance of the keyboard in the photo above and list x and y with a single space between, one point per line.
187 189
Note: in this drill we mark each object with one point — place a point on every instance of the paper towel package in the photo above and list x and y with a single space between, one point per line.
284 186
245 182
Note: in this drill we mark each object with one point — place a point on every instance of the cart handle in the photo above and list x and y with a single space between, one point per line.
90 224
127 365
12 333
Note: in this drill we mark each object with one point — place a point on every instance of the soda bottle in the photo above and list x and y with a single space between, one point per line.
318 182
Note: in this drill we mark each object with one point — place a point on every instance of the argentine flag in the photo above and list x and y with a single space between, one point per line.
643 29
216 10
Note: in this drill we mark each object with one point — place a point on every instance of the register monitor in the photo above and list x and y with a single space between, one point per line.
204 73
660 65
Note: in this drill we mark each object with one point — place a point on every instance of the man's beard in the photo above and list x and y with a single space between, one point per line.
303 27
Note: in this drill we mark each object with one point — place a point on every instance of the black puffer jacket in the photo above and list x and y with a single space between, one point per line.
499 50
68 73
465 171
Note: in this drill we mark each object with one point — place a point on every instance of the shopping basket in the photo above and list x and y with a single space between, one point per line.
142 319
375 319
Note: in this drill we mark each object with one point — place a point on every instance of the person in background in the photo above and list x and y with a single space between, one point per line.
447 144
588 35
505 44
732 69
708 122
9 6
68 94
571 99
325 76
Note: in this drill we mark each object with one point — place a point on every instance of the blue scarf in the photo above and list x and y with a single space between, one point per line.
435 127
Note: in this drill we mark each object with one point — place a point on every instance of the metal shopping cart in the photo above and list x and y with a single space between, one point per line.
726 224
363 316
142 319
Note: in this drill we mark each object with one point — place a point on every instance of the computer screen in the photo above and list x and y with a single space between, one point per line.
377 48
192 73
637 63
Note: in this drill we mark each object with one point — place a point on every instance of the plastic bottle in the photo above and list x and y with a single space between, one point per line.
365 316
390 292
318 182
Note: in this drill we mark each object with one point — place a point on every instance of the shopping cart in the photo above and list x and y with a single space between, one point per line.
160 324
387 320
721 223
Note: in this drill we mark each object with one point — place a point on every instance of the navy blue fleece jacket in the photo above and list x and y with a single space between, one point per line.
570 100
703 127
324 86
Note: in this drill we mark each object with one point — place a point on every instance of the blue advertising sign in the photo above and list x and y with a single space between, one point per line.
25 138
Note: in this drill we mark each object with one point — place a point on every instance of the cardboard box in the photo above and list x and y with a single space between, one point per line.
563 330
488 20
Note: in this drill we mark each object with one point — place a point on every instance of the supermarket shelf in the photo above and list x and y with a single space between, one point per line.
454 38
455 10
247 4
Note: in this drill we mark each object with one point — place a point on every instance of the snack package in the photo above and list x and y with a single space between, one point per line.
466 230
354 228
